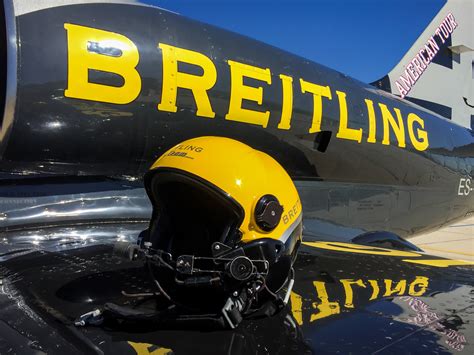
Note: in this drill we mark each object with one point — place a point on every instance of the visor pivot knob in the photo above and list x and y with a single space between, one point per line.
268 212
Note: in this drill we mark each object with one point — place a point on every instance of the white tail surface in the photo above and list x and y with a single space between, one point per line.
437 72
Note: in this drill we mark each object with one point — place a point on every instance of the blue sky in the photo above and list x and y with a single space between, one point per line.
362 38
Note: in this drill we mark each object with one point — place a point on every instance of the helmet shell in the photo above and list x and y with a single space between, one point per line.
244 174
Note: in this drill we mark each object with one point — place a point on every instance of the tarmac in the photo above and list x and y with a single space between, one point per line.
453 242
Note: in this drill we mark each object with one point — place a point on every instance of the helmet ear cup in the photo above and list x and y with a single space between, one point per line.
268 213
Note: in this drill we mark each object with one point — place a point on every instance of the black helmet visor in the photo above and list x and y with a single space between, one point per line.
189 213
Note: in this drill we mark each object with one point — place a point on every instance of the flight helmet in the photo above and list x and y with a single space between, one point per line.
225 228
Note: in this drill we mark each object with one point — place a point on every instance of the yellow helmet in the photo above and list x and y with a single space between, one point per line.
225 215
244 175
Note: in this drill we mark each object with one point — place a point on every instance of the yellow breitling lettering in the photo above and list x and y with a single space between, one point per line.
418 286
375 289
318 92
239 92
95 50
397 126
372 123
344 131
325 308
297 307
347 284
328 308
287 105
174 79
398 289
419 140
92 49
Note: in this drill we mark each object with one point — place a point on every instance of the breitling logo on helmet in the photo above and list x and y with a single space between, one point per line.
292 213
193 148
179 154
182 151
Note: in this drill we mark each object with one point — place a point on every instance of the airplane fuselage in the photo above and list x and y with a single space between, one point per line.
108 93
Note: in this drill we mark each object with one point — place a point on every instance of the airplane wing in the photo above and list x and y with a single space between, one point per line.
346 299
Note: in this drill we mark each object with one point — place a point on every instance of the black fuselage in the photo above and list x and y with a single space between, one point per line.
362 159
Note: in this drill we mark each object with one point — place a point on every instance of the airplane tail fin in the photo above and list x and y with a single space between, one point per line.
437 72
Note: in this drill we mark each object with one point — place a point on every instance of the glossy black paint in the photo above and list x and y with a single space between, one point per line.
360 187
42 292
3 63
